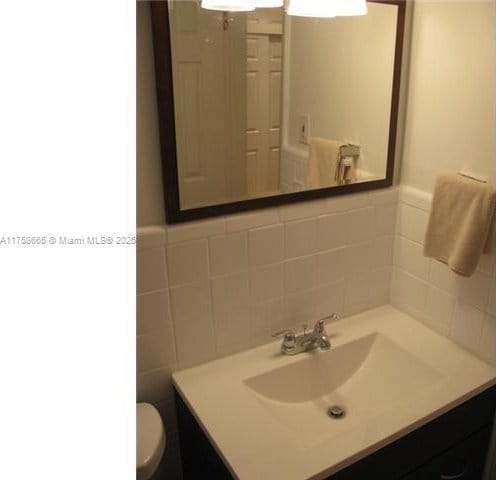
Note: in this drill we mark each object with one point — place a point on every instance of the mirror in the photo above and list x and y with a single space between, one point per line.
269 108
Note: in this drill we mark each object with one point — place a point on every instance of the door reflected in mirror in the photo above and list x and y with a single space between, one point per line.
268 104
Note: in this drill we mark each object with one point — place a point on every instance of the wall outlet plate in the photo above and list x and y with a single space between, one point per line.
304 129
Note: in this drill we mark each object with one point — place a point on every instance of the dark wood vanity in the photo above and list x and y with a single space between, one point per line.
451 447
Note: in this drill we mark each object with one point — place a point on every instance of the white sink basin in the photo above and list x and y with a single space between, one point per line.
390 373
348 370
364 377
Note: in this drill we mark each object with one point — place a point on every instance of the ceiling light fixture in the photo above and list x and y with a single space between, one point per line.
229 5
327 8
312 8
349 8
269 3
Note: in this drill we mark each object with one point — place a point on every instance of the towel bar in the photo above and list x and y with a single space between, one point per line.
473 176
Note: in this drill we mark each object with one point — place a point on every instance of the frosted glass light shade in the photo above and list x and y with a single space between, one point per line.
348 8
312 8
229 5
269 3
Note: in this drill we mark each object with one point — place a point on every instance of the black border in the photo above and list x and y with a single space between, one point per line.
167 129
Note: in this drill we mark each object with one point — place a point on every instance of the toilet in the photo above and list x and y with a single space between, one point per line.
150 440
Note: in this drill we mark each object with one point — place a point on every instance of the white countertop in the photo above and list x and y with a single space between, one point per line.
249 431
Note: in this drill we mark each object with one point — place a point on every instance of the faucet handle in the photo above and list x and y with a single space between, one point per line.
319 326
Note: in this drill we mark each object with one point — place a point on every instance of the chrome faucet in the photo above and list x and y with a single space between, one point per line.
293 344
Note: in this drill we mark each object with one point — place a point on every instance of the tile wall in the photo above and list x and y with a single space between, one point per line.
215 287
463 309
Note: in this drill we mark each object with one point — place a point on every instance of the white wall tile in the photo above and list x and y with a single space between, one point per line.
348 202
230 297
491 301
474 290
245 304
409 290
300 238
382 251
228 253
329 299
360 225
412 223
385 219
193 324
409 256
442 277
155 349
246 221
487 264
380 286
467 326
299 309
151 270
267 318
303 210
332 266
195 230
415 197
227 349
299 274
358 292
152 311
266 245
384 196
454 305
359 257
151 236
487 348
331 231
155 385
266 283
440 310
188 262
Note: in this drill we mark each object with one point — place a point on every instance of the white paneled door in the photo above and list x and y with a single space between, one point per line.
264 90
209 58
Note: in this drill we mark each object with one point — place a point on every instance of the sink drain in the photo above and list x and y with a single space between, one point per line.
336 412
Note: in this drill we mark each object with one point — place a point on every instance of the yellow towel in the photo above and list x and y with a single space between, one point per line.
460 222
323 162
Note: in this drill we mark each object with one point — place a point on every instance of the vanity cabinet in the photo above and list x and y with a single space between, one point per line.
451 447
465 461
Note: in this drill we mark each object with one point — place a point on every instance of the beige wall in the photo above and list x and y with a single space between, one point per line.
150 204
450 124
451 103
340 73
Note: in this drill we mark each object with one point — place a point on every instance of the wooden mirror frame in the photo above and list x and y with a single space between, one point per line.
167 131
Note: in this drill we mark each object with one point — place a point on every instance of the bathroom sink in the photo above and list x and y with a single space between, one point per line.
365 378
387 373
370 364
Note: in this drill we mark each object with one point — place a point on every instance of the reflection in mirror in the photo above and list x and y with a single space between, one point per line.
267 104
